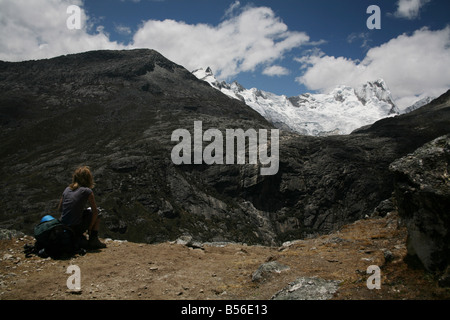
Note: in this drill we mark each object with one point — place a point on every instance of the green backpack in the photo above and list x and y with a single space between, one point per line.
53 238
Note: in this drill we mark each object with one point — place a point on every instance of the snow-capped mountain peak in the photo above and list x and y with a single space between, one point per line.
205 75
340 111
375 92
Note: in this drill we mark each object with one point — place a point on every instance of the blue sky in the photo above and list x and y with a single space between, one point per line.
285 46
338 25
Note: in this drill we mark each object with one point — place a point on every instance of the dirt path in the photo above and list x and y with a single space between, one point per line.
171 271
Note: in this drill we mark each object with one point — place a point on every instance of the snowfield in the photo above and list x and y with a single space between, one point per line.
338 112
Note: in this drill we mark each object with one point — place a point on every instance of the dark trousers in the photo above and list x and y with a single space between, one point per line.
80 229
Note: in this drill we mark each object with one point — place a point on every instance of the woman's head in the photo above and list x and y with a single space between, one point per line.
82 177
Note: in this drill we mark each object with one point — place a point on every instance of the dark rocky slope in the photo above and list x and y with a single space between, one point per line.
116 110
422 193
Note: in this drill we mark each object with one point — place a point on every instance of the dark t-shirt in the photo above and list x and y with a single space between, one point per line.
73 205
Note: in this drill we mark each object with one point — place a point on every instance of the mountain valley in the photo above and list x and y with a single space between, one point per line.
116 110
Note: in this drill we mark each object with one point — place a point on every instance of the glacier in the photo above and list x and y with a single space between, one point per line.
338 112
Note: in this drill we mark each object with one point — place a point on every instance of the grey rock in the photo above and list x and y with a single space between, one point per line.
444 279
6 234
188 241
268 268
127 164
167 211
7 256
184 240
422 191
385 207
388 255
308 289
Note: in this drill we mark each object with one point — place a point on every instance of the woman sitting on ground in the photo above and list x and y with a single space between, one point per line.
73 212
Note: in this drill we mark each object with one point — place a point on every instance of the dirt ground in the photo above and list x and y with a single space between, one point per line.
170 271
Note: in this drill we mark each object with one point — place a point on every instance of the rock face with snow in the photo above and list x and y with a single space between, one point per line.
340 111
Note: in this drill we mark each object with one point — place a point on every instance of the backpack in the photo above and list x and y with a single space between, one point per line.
53 239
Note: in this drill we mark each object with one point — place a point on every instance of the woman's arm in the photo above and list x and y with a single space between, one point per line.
91 199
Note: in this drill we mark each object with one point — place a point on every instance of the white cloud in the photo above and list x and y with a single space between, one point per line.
413 66
276 71
242 42
232 8
364 37
37 29
247 38
121 29
409 9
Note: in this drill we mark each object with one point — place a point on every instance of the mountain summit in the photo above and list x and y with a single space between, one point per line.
340 111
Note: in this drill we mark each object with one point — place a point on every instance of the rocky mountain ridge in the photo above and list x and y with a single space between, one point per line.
341 111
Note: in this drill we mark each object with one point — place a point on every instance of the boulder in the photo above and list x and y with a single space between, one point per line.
422 192
6 234
385 207
308 289
267 268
